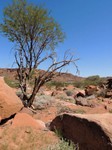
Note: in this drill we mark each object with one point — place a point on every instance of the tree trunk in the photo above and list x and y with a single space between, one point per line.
32 97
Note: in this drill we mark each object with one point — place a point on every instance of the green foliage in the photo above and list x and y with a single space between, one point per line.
35 34
63 145
79 84
92 80
11 83
69 93
23 21
55 84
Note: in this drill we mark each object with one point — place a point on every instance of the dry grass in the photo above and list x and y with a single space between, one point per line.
25 138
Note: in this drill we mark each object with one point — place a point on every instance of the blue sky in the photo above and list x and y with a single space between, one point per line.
88 28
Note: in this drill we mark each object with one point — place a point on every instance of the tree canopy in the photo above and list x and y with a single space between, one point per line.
34 32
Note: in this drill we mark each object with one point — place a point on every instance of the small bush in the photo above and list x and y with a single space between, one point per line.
78 84
69 93
43 101
11 83
55 84
91 80
66 98
63 145
65 109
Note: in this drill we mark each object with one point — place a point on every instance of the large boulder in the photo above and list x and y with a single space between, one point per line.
9 102
90 131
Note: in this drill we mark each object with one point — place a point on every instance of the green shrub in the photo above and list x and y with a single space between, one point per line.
69 93
91 80
78 84
66 98
55 84
63 145
11 83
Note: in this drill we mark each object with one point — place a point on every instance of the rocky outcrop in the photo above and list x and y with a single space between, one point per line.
9 102
91 132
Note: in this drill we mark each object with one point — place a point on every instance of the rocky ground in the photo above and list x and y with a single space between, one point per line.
85 119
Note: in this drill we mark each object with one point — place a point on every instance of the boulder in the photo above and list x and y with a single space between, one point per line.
91 89
82 101
9 102
108 94
90 131
25 120
79 92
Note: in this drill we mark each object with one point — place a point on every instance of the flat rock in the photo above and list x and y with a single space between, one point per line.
90 131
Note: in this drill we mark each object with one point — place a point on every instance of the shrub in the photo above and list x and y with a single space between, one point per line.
78 84
65 109
42 101
55 84
66 98
63 145
91 80
69 93
11 83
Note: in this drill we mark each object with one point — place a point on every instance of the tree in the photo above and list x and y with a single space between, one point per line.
35 35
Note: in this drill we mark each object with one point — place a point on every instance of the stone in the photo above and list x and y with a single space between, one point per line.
25 120
10 104
78 93
81 101
91 97
27 111
108 94
91 89
90 131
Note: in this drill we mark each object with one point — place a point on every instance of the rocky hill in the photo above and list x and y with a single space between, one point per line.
63 77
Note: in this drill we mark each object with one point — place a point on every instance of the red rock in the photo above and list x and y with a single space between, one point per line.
79 93
27 111
25 120
91 89
9 102
90 131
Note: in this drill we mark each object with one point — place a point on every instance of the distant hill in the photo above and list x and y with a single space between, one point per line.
63 77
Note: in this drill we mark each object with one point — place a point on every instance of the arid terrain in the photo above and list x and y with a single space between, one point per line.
60 111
